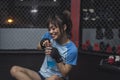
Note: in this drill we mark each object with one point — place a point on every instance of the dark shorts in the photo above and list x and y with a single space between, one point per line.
63 78
42 77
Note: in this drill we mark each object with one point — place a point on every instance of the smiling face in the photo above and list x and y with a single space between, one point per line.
59 26
54 31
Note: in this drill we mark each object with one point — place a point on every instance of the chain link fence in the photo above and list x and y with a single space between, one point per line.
100 26
23 22
29 13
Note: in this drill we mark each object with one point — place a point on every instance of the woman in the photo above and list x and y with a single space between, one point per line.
60 52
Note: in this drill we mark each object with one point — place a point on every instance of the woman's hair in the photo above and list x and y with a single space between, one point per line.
59 20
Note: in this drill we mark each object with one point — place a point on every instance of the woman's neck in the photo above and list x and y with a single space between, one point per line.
63 40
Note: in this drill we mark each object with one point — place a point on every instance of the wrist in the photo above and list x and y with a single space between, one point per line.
59 60
55 54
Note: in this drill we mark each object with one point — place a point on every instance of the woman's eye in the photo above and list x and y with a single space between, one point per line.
53 28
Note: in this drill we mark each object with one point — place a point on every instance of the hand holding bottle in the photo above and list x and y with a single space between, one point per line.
52 51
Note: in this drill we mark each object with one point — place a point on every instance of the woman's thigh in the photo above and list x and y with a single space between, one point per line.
31 73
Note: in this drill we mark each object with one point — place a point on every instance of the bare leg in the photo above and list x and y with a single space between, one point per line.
21 73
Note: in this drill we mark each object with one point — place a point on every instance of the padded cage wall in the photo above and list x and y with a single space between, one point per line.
100 26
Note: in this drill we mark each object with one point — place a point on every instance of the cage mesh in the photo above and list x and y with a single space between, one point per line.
23 22
29 13
100 26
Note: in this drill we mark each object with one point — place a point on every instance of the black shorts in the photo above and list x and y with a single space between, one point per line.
63 78
43 78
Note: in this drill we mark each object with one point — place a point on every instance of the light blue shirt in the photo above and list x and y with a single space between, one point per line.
69 53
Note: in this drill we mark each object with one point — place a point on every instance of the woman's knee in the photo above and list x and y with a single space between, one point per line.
14 70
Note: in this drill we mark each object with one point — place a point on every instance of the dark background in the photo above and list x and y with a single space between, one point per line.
88 67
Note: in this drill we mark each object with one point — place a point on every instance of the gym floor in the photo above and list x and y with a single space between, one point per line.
88 67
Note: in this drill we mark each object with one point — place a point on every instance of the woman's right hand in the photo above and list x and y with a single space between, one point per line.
46 43
48 50
43 44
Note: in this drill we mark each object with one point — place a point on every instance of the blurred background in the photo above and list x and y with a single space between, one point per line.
96 33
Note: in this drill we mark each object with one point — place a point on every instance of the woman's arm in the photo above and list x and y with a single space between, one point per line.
64 68
39 46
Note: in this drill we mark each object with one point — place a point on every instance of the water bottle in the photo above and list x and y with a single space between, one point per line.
50 62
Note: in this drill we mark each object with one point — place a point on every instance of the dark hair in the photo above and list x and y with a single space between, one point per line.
61 20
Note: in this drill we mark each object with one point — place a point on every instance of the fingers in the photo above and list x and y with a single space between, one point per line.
48 50
48 47
46 43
